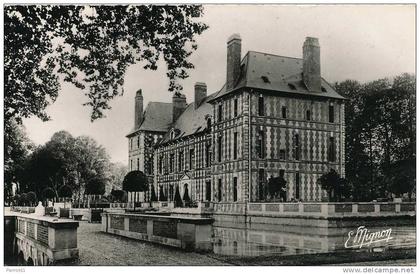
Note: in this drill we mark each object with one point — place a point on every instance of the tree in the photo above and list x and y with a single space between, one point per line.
153 197
65 160
162 196
119 195
380 132
17 148
117 173
31 198
403 175
177 199
23 199
91 47
95 186
48 194
65 191
16 199
336 187
135 181
276 186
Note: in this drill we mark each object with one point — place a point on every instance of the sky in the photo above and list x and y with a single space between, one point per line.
359 42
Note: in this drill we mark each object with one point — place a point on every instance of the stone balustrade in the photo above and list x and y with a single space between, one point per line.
330 210
183 232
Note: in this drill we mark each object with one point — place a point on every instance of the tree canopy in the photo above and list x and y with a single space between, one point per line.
336 187
135 181
65 160
65 191
380 133
119 195
95 186
90 47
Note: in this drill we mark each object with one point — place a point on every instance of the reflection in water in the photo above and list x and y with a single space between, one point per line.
292 240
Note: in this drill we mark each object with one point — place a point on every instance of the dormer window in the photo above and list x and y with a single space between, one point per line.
208 123
172 134
219 112
291 86
265 79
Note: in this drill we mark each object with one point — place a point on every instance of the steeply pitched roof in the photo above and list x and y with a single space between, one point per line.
282 74
157 117
192 120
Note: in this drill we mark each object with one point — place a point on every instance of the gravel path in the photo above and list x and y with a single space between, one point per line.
98 248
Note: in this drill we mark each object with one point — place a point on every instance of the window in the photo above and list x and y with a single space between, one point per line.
235 189
265 79
219 190
235 107
191 158
208 123
208 155
261 105
291 86
331 149
138 142
160 164
281 173
296 147
171 193
131 164
297 186
235 145
219 113
260 144
149 169
219 148
138 164
284 112
282 154
208 190
171 162
308 115
181 160
261 182
131 143
331 114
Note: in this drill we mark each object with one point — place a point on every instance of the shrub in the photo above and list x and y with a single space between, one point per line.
31 198
119 195
65 191
48 193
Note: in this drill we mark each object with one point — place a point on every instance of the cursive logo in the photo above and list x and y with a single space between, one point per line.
363 237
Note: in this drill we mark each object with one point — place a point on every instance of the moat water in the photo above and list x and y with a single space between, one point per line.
232 239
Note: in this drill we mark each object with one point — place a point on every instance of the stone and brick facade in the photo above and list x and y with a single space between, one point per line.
275 116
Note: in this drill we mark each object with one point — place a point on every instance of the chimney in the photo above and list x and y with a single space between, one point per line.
138 109
179 103
233 60
200 92
312 64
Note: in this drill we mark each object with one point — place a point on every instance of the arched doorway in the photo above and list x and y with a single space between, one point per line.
20 259
30 262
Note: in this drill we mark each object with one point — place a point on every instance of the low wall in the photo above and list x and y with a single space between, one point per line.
44 240
183 232
85 212
327 214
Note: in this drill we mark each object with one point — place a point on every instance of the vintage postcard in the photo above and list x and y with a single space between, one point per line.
210 135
